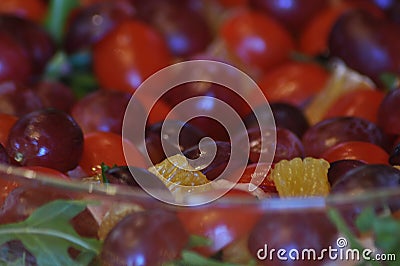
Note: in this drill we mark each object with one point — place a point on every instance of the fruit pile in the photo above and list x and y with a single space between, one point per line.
330 71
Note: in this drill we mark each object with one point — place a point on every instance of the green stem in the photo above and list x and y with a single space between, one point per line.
337 219
57 16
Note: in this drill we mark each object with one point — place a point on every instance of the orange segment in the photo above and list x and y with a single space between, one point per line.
301 178
180 177
343 79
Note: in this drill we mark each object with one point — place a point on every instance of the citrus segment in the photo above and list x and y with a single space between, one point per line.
180 177
301 178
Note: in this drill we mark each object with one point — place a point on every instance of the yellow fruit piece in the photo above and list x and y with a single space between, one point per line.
176 170
113 216
343 79
301 178
180 177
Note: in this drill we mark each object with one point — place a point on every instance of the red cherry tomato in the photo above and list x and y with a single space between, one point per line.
357 150
32 9
220 225
233 3
360 103
107 148
48 171
267 185
314 38
6 123
256 40
128 55
293 82
159 111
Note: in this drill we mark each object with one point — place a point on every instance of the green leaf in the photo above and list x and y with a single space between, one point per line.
57 15
48 234
341 225
199 241
190 258
365 220
391 81
387 234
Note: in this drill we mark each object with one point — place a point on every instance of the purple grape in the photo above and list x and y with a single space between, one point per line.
18 100
394 158
293 14
14 60
359 38
218 164
185 31
132 240
288 145
49 138
332 131
286 116
289 230
101 110
55 94
90 24
4 159
36 41
189 136
389 113
367 177
339 168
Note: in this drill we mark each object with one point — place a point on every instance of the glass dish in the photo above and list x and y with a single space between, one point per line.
310 231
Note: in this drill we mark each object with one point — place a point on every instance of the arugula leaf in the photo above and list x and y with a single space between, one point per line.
364 222
384 229
190 258
390 80
48 235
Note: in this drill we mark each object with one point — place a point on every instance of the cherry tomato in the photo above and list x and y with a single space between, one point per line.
128 55
6 123
48 171
360 103
267 185
293 82
314 38
159 111
233 3
357 150
256 40
32 9
107 148
220 225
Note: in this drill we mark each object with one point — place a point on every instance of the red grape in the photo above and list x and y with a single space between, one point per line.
359 38
330 132
101 110
389 113
18 100
293 14
150 237
49 138
91 23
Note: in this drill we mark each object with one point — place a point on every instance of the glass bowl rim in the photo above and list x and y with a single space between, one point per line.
118 192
